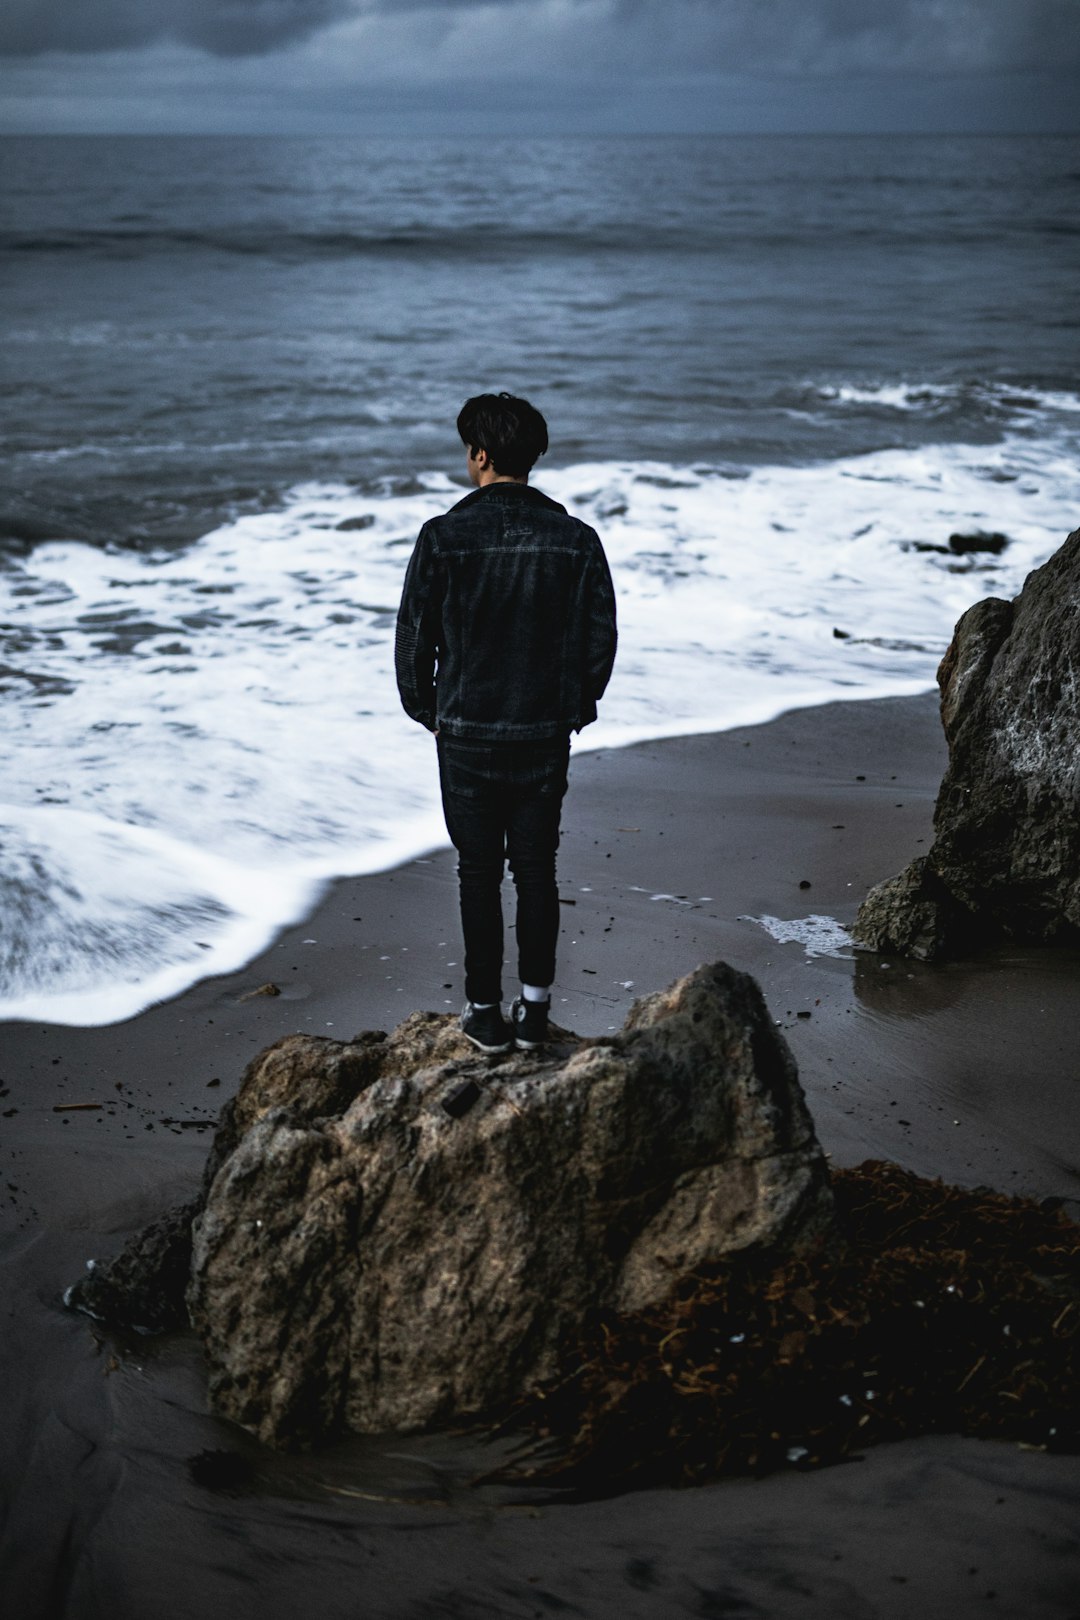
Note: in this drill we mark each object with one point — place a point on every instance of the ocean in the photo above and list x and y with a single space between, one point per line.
779 375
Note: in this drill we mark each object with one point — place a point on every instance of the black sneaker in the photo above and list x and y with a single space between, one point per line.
486 1028
530 1021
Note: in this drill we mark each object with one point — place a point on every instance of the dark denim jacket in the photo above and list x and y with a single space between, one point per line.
506 629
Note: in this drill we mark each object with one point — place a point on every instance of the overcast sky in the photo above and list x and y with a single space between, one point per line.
539 66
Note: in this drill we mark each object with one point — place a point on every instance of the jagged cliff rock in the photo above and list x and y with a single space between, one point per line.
399 1231
1005 860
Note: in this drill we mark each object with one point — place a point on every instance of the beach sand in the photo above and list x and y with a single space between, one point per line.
967 1071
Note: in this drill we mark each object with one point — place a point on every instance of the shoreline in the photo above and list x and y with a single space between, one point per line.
965 1071
669 851
427 838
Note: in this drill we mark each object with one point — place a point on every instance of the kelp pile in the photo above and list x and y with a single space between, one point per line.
939 1310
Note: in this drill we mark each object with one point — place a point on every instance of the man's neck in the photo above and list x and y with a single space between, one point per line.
489 476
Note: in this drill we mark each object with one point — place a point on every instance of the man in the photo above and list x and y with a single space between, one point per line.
505 642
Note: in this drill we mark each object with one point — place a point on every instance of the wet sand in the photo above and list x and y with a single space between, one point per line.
970 1072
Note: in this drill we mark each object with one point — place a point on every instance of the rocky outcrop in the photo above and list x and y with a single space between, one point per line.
400 1232
1005 860
143 1288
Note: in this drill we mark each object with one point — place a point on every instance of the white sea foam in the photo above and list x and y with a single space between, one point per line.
818 936
197 740
920 397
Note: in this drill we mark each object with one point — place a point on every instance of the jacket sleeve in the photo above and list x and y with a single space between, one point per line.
416 642
601 628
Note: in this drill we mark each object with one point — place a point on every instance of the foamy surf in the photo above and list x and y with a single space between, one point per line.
925 398
199 739
818 936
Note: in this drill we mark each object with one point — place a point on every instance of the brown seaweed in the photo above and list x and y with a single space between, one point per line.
941 1309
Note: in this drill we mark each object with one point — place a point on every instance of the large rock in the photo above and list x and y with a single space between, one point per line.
424 1236
1005 860
143 1288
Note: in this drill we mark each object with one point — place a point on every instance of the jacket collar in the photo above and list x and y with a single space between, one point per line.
512 494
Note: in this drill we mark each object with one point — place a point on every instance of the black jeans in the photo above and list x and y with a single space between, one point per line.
502 801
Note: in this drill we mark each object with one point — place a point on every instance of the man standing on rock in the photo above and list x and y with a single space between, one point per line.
505 642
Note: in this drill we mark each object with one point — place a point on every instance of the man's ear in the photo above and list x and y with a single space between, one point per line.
478 454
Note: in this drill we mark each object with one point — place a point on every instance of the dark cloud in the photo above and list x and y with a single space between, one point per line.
779 36
223 27
845 36
556 66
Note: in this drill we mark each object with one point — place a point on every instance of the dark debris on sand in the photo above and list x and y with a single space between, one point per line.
943 1310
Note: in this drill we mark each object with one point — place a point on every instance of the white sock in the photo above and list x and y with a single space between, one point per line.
536 992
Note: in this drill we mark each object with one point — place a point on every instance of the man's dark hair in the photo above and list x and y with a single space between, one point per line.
512 431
